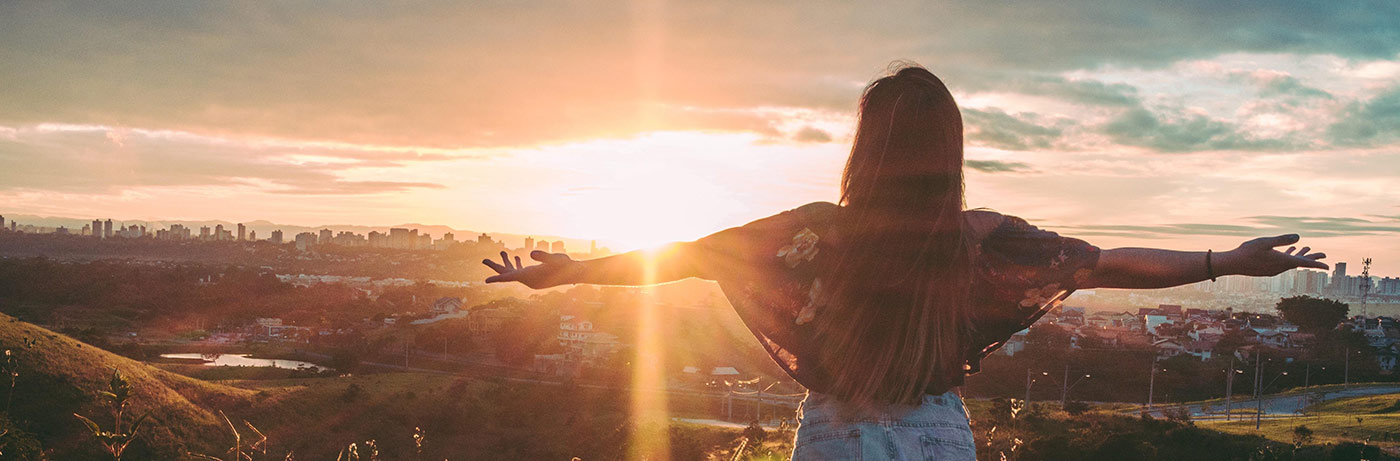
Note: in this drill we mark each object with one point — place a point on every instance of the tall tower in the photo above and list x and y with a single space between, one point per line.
107 229
242 232
529 243
1365 283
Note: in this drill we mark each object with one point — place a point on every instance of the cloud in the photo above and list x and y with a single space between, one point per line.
1183 133
94 160
996 166
994 128
1308 226
1082 91
810 134
1368 123
511 73
338 187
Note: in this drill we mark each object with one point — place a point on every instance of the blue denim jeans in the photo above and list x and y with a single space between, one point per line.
937 429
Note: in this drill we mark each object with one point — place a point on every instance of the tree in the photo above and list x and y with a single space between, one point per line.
1312 315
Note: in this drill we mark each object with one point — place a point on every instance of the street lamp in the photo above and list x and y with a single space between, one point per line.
1029 382
1064 396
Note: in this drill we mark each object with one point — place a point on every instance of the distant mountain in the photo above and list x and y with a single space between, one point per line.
264 229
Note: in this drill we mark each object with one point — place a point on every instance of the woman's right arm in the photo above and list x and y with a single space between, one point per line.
1158 268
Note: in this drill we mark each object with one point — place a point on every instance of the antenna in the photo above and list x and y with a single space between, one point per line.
1365 283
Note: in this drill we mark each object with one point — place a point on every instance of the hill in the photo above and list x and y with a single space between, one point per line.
59 376
1373 420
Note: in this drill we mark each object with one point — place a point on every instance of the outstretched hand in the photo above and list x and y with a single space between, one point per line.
554 269
1259 258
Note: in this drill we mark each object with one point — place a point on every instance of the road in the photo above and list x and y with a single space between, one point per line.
1273 406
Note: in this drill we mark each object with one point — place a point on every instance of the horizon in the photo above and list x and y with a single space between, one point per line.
1170 126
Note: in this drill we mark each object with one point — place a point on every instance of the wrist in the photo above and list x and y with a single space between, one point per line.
1225 262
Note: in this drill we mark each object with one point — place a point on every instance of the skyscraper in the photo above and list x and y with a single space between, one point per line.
542 246
242 232
325 237
529 243
204 232
2 221
107 229
557 247
253 236
277 236
97 228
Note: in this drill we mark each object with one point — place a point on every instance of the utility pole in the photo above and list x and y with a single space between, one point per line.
1229 384
1258 388
1064 387
1028 385
1151 382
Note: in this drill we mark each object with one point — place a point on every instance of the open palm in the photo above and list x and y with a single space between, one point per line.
553 270
1259 258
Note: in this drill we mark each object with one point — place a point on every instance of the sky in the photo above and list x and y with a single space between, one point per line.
1184 125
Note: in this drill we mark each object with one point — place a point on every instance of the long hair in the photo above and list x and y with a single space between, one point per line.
900 286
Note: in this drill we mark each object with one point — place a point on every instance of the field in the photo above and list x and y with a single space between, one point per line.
315 418
1371 419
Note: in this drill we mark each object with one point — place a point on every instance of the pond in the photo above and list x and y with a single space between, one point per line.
243 360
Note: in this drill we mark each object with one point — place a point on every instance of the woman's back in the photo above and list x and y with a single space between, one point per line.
773 272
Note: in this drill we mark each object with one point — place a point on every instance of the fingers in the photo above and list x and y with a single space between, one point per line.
495 266
517 263
506 260
1290 251
1316 256
1315 264
546 257
1281 240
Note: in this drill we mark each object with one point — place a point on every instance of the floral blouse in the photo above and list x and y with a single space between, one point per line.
767 269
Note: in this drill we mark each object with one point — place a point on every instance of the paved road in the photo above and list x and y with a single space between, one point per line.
1274 406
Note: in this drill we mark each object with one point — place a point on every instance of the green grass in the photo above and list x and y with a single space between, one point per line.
462 418
1374 419
60 376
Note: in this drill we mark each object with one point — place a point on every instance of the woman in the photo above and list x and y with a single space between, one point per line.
882 304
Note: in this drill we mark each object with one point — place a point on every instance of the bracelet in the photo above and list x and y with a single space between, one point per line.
1210 271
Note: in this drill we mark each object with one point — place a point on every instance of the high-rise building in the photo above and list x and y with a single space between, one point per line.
542 246
219 232
107 229
2 221
204 232
305 240
557 247
484 239
242 232
325 237
253 236
529 243
277 236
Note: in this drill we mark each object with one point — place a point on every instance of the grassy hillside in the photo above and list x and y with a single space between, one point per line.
1374 419
59 376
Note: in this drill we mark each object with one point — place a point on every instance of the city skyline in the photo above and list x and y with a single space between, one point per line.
1142 124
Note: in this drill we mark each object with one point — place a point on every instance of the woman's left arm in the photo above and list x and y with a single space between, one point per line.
1157 268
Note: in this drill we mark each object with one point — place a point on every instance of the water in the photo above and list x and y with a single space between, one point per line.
243 360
